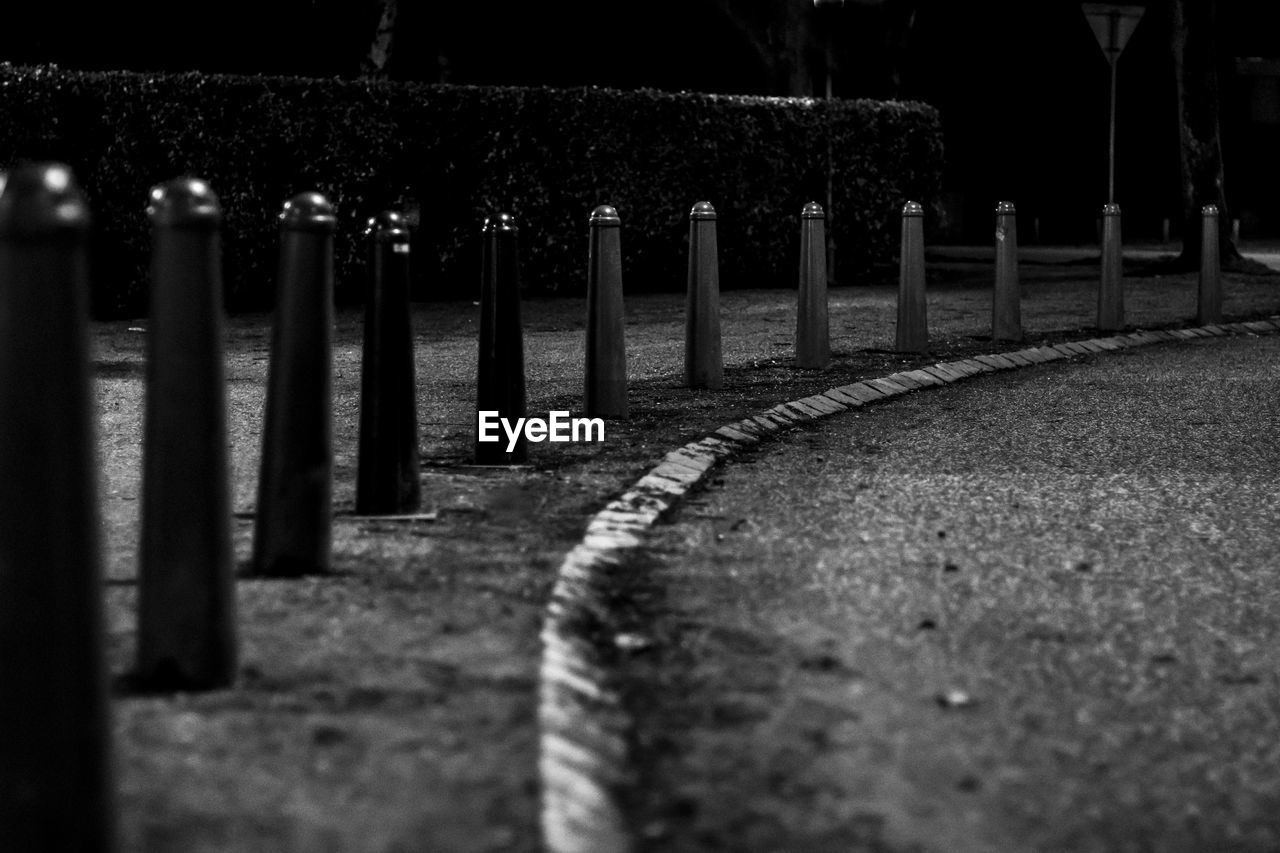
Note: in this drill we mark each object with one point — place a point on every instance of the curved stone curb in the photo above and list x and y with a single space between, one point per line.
583 749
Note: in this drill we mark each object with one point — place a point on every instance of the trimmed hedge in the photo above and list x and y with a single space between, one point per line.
451 155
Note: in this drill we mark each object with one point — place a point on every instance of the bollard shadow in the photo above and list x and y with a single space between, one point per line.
119 368
285 570
166 681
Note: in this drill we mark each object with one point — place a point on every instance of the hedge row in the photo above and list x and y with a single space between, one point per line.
451 155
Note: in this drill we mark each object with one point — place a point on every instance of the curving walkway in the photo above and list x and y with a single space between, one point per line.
585 729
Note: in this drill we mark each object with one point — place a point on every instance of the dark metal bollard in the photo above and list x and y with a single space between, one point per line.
186 587
813 341
703 365
387 472
1209 302
500 376
913 325
1006 306
605 393
1111 282
294 531
55 764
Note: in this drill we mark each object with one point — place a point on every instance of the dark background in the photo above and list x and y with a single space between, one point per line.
1022 85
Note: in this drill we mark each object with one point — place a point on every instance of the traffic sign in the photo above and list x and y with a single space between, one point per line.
1112 24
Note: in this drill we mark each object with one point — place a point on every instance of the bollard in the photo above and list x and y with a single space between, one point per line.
1111 282
703 366
55 765
605 394
500 377
186 586
1006 308
913 327
1164 230
294 531
813 340
1209 303
387 469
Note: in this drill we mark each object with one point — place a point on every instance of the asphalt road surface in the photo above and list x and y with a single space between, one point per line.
1033 611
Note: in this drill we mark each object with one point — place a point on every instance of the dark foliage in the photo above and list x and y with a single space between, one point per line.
449 156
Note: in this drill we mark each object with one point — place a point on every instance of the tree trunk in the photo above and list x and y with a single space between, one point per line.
1195 59
375 62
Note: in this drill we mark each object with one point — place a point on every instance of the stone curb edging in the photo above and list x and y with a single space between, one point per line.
583 728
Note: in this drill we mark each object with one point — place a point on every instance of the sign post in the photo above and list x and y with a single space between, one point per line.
1112 24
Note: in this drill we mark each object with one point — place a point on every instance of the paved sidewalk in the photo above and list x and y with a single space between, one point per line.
394 703
1031 611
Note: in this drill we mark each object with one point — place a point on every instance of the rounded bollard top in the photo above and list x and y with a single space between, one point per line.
812 210
702 210
500 223
183 203
605 215
308 211
387 227
1111 209
41 199
1005 207
913 208
1209 210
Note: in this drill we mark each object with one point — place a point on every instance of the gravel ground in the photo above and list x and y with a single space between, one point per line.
1035 611
392 705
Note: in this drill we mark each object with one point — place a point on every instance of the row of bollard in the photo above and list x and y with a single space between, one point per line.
55 762
1006 323
54 744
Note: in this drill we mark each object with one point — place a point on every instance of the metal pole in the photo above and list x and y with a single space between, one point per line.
1111 142
500 383
703 363
813 344
387 468
1111 283
912 331
186 562
1113 54
1006 310
605 391
56 789
1209 298
830 235
294 531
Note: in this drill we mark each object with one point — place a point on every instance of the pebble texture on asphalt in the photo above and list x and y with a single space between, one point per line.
1032 611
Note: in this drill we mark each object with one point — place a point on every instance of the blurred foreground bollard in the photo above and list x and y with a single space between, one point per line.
606 371
1209 303
913 326
55 765
500 376
703 366
293 535
1006 306
387 472
186 586
813 341
1111 282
